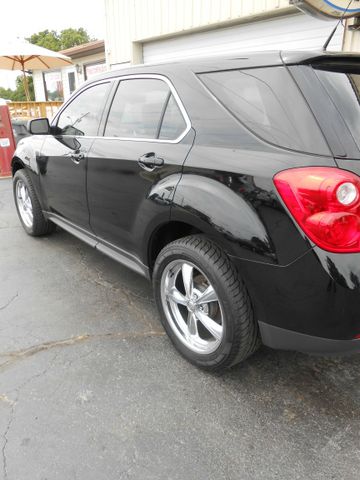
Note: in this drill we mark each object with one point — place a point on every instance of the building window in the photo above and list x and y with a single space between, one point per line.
71 80
53 86
93 69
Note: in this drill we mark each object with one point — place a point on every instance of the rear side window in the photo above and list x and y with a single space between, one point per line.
136 109
268 102
144 108
82 116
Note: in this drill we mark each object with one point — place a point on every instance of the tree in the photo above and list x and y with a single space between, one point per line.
73 36
53 40
47 39
18 95
6 93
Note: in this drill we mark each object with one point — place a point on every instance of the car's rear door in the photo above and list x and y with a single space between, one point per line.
133 168
63 158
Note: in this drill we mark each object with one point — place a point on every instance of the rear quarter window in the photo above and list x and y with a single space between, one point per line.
343 87
268 102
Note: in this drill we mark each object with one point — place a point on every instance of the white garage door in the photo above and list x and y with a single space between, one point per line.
294 32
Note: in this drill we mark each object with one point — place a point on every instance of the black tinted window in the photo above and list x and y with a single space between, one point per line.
173 123
137 109
82 115
268 102
344 90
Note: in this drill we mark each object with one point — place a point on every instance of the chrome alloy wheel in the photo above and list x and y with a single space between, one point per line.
192 307
24 204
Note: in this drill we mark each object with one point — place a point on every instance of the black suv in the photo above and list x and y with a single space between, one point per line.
232 183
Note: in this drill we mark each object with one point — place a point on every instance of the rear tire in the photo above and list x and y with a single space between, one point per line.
28 206
204 306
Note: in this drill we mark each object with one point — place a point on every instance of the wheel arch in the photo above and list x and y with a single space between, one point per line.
16 164
180 227
166 233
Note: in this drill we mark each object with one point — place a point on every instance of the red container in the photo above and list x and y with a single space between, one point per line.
7 142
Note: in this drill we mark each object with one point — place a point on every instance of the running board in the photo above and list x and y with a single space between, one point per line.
120 256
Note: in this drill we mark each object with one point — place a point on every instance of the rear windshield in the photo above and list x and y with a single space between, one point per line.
343 87
268 102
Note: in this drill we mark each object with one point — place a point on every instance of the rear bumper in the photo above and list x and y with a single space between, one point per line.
310 305
282 339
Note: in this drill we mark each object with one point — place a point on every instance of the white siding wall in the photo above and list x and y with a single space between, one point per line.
131 21
352 38
293 32
163 17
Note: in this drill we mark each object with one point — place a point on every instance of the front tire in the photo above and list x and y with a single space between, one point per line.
28 206
204 306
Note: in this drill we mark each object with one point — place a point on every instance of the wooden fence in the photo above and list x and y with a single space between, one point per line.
33 109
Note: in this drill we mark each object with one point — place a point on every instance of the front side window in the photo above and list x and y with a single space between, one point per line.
268 102
144 108
82 116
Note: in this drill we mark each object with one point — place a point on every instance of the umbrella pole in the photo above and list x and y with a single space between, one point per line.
26 85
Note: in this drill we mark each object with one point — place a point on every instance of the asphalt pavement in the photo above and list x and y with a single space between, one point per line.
92 389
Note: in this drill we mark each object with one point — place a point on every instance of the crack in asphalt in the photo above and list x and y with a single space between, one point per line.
96 276
9 301
104 283
13 404
33 350
5 437
28 352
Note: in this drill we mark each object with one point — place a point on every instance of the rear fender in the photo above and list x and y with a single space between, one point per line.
224 215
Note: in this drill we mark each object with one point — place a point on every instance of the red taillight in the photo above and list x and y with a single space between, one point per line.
325 202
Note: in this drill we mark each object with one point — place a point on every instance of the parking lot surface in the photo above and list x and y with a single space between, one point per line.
91 389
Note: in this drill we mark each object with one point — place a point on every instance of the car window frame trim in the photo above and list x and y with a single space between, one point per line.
173 91
114 83
162 115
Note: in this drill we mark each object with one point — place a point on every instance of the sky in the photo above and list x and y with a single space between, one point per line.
21 18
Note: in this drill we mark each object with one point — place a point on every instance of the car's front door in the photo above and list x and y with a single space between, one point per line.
63 158
133 168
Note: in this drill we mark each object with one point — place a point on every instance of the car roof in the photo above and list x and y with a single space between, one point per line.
227 62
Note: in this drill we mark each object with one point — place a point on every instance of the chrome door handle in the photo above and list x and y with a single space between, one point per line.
150 161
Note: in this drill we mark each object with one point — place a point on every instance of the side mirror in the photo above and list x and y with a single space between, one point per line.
39 126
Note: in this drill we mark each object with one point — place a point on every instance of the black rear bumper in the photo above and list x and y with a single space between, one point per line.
310 305
282 339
